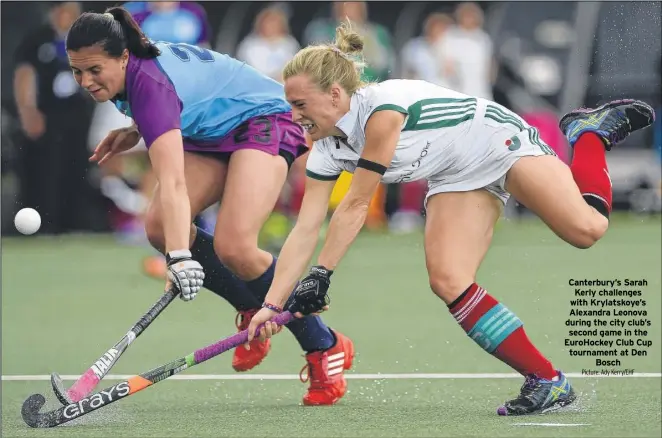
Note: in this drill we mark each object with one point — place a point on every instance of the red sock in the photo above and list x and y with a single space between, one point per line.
499 332
589 168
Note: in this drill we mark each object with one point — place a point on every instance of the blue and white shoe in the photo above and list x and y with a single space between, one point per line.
612 122
538 396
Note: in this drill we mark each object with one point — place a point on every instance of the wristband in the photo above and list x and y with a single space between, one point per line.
272 307
321 270
177 255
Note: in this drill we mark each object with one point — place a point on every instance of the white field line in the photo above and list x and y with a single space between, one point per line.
379 376
552 424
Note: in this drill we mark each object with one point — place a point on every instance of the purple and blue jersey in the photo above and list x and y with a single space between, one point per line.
203 93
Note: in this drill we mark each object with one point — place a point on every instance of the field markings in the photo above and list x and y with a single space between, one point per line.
378 376
552 424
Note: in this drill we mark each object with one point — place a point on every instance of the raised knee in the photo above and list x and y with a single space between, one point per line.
448 285
586 233
154 230
235 253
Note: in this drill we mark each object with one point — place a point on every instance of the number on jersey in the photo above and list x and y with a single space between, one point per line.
184 51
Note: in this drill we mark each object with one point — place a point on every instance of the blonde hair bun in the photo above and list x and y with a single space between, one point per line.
347 40
340 62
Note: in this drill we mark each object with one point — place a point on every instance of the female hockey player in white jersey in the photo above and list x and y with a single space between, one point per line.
474 153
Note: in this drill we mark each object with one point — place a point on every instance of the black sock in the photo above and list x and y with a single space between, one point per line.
311 332
218 278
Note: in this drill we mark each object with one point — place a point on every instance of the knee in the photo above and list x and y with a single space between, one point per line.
235 253
449 285
585 233
154 230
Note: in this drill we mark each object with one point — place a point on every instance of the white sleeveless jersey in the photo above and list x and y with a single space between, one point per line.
435 118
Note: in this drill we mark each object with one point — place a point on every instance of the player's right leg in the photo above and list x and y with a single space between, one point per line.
205 180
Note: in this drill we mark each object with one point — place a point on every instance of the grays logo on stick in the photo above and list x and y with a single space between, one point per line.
118 391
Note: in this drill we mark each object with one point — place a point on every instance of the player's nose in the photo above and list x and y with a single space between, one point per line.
296 115
86 81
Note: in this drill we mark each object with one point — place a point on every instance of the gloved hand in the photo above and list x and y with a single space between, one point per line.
310 296
185 273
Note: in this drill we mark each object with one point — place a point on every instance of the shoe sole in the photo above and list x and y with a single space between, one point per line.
639 108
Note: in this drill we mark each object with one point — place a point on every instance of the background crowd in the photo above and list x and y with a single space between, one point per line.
536 58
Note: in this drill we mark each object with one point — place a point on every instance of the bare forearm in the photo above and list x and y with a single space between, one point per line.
345 225
293 261
176 214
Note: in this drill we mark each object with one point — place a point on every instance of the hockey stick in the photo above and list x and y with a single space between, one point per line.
88 381
31 406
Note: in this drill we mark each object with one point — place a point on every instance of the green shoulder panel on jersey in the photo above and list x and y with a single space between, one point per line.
439 113
319 177
390 107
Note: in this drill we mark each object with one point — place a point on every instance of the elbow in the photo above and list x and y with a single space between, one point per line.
172 184
358 203
170 178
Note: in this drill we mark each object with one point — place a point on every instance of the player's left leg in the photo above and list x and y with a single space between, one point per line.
458 233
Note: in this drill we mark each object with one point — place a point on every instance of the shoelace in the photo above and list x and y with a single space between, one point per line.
305 368
531 384
242 319
620 133
316 382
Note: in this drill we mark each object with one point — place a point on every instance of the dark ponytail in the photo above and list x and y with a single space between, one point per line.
114 31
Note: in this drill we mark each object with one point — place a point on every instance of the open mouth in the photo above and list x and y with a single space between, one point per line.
308 126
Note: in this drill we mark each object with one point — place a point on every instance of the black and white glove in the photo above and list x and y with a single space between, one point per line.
185 273
310 296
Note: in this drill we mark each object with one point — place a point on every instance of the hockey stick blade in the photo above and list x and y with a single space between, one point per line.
34 403
88 381
59 389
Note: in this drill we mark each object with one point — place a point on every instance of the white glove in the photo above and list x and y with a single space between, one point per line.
185 273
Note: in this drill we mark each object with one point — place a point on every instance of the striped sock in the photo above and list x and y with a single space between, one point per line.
499 332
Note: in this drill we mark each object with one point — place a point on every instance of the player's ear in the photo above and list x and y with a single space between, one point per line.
336 93
125 57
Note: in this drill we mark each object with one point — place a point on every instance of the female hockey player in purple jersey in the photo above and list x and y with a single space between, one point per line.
215 128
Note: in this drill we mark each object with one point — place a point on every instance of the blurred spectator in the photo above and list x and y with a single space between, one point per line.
270 46
378 48
177 22
421 58
55 114
467 53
